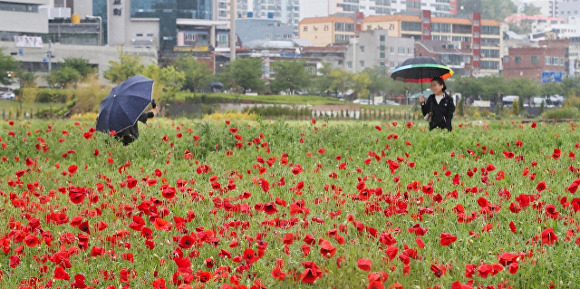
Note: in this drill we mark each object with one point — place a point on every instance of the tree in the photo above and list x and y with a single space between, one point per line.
127 67
243 74
172 80
553 88
531 10
79 64
197 75
323 79
378 79
64 78
290 75
490 9
341 80
361 84
153 72
7 65
27 79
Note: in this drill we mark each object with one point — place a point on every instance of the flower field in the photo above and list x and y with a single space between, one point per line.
290 205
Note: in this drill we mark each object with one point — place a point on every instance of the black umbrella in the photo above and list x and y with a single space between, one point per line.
125 103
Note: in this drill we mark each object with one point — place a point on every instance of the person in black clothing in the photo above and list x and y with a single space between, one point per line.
440 104
131 134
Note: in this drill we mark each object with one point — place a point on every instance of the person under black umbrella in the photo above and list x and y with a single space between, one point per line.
439 107
131 134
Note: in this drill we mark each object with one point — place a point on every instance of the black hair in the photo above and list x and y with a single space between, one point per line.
440 81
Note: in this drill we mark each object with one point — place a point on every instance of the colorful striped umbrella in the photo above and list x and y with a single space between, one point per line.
421 69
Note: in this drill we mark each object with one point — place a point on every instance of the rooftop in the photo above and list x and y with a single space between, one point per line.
440 47
331 19
386 18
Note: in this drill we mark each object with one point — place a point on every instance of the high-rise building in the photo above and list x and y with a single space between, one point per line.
286 11
482 37
320 8
22 18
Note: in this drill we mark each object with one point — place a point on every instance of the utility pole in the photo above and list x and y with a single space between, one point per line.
233 37
49 55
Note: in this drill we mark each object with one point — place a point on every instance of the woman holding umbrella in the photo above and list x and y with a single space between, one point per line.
131 134
439 107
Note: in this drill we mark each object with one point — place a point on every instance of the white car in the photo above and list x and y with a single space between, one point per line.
8 96
390 102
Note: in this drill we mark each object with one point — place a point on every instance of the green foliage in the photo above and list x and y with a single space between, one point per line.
279 111
378 80
490 9
172 81
81 65
572 101
63 78
27 79
243 74
290 75
562 113
461 107
516 108
361 84
7 64
341 80
531 10
197 75
127 67
323 81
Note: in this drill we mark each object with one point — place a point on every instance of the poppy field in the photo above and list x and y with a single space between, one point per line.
275 204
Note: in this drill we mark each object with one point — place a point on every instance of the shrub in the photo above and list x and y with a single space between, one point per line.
230 116
562 113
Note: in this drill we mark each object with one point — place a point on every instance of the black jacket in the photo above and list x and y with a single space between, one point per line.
442 112
131 133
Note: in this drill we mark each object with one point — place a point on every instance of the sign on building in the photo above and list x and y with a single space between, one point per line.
551 76
28 41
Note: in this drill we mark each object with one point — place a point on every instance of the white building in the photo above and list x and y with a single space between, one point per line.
22 17
287 11
322 8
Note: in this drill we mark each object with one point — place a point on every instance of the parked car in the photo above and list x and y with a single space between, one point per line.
8 96
390 102
361 101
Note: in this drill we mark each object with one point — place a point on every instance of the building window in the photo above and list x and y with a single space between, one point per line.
382 55
362 63
518 59
534 59
392 49
548 60
561 61
139 34
189 37
117 2
149 34
506 59
349 64
476 34
401 50
426 32
382 38
555 61
409 51
362 49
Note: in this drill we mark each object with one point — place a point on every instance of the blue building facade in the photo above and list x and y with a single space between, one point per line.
168 11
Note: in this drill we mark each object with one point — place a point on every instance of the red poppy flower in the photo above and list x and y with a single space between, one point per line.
162 225
60 274
327 250
364 264
31 241
549 237
447 239
311 272
186 242
270 208
541 186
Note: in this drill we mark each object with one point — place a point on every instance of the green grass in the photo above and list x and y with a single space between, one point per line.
177 148
271 99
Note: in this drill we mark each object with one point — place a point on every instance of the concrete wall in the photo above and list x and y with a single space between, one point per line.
83 7
370 40
122 30
98 55
23 22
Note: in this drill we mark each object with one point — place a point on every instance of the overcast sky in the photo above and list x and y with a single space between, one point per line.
313 8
